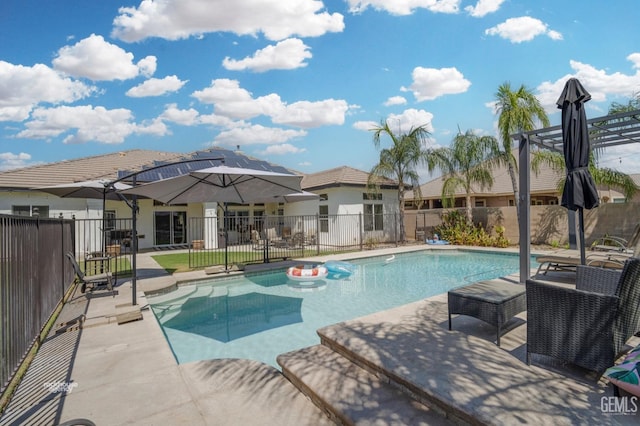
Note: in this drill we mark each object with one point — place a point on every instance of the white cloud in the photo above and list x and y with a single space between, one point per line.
635 60
395 100
232 101
186 117
286 55
179 19
524 28
410 119
9 160
484 7
83 123
431 83
257 134
156 87
281 149
365 125
404 7
598 83
155 127
22 88
96 59
401 123
308 114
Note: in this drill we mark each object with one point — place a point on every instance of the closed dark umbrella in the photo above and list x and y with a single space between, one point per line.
580 190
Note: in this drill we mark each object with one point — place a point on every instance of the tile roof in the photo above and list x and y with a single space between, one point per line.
96 167
340 176
118 164
545 181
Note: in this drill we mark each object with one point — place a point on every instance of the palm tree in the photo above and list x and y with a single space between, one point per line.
601 176
518 112
400 161
466 163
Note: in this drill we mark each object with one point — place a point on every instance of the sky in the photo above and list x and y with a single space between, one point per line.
299 83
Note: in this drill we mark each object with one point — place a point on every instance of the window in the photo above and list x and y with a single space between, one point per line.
109 219
373 217
41 211
324 197
324 218
618 200
511 203
553 202
481 203
371 196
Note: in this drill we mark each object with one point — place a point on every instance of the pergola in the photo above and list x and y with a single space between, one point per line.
604 132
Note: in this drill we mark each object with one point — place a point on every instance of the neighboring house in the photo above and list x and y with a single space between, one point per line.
342 190
544 191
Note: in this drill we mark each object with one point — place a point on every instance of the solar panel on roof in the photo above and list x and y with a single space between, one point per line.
203 159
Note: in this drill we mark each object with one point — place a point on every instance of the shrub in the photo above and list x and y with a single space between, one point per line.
457 230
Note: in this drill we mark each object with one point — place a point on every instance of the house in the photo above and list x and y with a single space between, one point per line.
544 191
344 191
341 192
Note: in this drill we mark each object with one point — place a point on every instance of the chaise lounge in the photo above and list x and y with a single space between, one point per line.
95 281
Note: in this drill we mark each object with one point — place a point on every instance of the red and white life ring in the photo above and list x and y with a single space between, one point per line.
300 273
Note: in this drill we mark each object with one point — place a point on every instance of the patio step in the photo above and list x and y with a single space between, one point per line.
351 395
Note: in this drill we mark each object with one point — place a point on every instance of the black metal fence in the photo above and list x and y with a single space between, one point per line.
240 240
34 277
236 240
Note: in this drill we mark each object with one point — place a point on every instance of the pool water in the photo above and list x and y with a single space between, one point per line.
260 316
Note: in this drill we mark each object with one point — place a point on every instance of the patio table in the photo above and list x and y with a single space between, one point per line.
493 301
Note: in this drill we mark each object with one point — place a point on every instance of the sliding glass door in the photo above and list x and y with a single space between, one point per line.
170 228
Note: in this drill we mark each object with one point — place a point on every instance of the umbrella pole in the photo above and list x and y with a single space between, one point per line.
583 259
226 237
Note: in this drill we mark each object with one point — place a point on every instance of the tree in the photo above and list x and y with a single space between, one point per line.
601 176
400 161
632 104
518 112
466 163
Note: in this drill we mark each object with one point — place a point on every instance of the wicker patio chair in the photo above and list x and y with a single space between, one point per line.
589 325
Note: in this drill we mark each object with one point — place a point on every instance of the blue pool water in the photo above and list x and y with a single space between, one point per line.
260 316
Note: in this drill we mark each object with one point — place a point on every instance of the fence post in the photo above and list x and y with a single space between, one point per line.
395 226
360 230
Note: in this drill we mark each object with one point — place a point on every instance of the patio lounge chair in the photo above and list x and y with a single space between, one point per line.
589 325
569 259
614 258
618 244
256 242
273 239
95 281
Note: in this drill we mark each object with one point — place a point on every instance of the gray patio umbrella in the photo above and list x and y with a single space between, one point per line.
222 184
288 198
100 189
580 190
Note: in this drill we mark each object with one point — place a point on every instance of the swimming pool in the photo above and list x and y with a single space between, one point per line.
260 316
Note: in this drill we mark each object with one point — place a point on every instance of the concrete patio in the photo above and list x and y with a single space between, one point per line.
400 366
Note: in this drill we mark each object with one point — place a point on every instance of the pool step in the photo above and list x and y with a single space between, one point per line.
351 395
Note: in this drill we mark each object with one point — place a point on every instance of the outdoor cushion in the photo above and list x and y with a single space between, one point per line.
626 375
